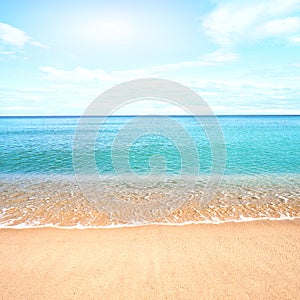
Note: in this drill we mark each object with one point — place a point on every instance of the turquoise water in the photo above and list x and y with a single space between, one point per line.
38 160
254 145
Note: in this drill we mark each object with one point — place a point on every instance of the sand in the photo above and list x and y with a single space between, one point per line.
251 260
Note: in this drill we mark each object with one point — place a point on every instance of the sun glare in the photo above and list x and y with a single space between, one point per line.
107 30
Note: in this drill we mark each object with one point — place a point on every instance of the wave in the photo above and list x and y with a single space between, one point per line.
114 226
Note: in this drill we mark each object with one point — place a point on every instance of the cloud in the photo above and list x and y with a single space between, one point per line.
232 22
253 94
221 55
223 98
52 100
284 26
14 38
231 97
265 90
80 74
226 96
84 75
295 39
6 52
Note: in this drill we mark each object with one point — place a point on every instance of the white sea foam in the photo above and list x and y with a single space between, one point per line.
113 226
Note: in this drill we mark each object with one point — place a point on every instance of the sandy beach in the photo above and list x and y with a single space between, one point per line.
250 260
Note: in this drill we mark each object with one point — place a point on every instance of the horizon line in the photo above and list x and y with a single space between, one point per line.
150 115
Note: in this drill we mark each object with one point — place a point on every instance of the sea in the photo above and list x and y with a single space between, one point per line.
119 171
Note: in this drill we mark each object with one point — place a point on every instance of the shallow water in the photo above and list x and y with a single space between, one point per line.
38 186
59 201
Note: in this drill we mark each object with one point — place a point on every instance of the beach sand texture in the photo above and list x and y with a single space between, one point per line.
248 260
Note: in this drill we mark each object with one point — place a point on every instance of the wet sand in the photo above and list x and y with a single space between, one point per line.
250 260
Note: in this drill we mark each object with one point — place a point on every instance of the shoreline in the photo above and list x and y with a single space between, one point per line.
121 225
258 259
31 202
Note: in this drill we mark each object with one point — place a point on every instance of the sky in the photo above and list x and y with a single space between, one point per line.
241 57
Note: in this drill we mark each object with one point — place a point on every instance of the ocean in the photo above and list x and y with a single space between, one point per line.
139 170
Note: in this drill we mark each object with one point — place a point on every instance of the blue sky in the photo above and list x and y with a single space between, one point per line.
242 57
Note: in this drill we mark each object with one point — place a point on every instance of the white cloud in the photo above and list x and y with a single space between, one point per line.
6 52
151 107
14 38
228 22
54 99
221 55
252 94
277 27
228 96
80 74
295 39
232 22
19 108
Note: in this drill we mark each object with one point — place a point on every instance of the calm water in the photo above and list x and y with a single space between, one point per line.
38 186
254 145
